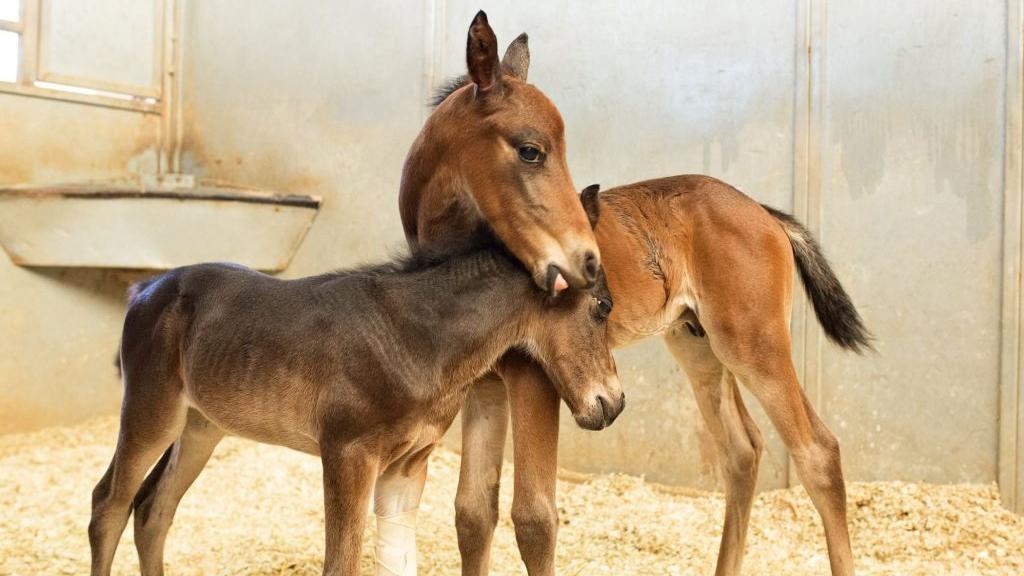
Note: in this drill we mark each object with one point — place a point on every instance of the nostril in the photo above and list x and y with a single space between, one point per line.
605 408
590 266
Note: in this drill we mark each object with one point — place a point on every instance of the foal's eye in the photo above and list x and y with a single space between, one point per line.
529 153
604 307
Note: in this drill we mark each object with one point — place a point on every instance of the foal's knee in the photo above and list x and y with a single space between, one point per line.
741 464
101 501
536 524
475 519
755 436
95 525
147 522
102 507
819 464
101 492
828 442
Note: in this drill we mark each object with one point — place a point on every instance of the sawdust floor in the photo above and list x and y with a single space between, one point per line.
257 510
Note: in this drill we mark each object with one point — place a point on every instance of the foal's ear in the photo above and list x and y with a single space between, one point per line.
589 199
516 61
482 55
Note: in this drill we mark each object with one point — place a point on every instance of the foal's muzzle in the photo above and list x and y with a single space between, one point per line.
554 278
602 413
582 275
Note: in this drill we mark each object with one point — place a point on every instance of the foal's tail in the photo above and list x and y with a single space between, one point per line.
832 305
133 294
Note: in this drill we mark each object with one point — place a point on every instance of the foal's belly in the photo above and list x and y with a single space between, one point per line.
399 442
410 443
629 324
284 415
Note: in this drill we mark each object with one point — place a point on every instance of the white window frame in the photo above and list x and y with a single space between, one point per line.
33 28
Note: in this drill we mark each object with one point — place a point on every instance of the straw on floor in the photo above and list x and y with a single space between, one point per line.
257 509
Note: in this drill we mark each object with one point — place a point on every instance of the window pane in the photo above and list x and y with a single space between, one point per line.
8 56
10 10
105 44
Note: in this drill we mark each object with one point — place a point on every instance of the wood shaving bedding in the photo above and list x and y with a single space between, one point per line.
257 509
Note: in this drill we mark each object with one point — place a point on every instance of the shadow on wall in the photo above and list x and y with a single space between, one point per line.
62 334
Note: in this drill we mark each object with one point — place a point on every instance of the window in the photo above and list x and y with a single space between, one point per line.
106 52
10 39
9 54
10 10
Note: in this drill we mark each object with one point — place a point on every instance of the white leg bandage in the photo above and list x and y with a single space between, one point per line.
395 503
396 543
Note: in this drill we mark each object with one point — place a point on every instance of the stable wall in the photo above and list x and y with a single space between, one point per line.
892 130
885 134
59 328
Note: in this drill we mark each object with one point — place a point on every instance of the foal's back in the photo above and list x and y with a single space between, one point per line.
254 353
368 349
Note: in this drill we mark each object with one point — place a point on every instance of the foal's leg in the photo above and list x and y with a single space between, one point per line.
535 405
744 271
738 441
760 357
484 426
349 474
396 501
153 414
814 449
159 496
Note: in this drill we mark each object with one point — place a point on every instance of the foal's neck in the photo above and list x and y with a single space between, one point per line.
474 307
436 206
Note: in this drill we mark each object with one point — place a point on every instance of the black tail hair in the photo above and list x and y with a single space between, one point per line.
832 305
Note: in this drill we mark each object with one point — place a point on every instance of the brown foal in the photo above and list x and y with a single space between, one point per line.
687 257
494 151
364 368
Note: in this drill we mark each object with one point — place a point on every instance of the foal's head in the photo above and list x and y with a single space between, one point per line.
494 150
570 340
569 337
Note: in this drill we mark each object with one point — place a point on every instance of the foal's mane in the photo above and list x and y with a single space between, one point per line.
482 242
445 90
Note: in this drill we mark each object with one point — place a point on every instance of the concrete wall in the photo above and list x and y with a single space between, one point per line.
883 126
59 327
885 134
911 194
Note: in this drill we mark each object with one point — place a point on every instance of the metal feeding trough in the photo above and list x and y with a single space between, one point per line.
152 223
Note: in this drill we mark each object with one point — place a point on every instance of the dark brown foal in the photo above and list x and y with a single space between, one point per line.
365 368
